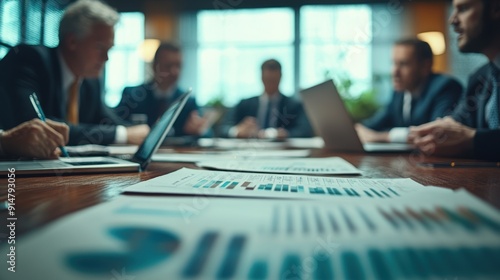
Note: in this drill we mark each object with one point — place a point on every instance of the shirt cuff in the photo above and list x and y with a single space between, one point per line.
399 134
121 135
270 133
233 132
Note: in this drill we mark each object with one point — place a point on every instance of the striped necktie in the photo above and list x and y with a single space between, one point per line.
72 105
492 107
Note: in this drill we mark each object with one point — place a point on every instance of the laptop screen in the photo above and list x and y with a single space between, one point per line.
159 131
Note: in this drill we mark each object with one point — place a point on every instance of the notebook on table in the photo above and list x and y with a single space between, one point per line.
138 162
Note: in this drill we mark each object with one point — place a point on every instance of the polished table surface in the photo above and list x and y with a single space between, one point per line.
42 199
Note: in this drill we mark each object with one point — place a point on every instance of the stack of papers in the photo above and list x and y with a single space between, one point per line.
229 155
231 144
323 166
217 183
430 235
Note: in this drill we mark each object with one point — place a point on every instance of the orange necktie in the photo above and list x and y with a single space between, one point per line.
72 106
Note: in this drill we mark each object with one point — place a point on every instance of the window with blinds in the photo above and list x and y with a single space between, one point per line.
30 22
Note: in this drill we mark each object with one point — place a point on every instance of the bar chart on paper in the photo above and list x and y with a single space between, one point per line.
205 182
306 166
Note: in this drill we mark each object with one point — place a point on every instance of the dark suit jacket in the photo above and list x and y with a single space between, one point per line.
471 112
292 116
27 69
141 100
438 98
5 112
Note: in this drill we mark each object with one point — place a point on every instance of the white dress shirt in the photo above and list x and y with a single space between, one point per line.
67 78
400 134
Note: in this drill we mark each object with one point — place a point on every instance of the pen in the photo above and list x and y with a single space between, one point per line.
41 115
460 164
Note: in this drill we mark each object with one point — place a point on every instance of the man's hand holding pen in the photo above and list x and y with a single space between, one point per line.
36 139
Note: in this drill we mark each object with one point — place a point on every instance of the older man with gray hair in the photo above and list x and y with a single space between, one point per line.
66 78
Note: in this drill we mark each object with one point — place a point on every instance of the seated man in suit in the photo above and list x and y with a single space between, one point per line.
152 99
420 96
66 78
474 127
35 139
270 115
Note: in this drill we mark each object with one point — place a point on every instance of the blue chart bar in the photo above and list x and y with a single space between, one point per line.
277 188
351 265
303 217
209 184
258 270
367 220
368 194
420 218
301 189
226 183
289 221
294 189
395 263
384 193
382 271
484 219
230 263
390 219
348 191
319 223
285 188
200 255
216 184
275 221
232 185
393 191
421 265
333 191
439 218
269 187
262 187
460 220
406 220
348 221
375 192
324 270
440 262
289 269
200 183
333 222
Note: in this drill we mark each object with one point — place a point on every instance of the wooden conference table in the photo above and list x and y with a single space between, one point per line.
42 199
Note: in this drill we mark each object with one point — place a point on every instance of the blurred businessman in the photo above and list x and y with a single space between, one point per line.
152 98
66 78
270 115
420 96
474 127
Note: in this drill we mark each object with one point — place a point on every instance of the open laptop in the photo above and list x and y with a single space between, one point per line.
138 162
330 120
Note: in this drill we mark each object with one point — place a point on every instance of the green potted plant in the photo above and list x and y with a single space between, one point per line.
360 105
